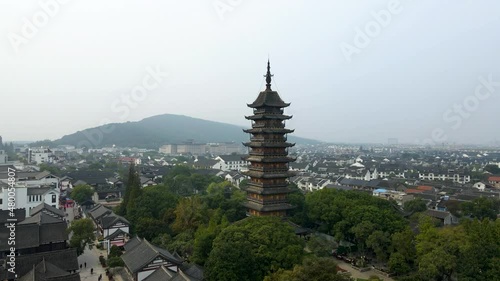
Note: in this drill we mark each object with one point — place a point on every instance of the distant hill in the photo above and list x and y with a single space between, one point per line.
156 131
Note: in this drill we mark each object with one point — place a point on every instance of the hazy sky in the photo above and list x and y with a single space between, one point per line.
360 71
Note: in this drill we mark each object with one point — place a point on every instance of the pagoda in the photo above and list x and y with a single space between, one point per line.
268 170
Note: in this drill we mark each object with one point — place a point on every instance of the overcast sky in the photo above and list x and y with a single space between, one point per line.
355 71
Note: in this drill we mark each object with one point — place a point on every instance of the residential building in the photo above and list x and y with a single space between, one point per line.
232 162
494 181
398 196
28 197
444 217
142 258
40 155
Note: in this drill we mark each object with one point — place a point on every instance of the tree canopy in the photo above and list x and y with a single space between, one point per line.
252 248
82 233
81 193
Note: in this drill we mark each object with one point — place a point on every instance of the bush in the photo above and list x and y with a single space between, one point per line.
102 260
115 262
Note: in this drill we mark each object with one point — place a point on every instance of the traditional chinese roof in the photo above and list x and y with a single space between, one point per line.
46 271
268 131
268 116
144 253
46 207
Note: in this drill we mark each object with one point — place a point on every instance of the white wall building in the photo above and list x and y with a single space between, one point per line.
40 155
230 163
28 197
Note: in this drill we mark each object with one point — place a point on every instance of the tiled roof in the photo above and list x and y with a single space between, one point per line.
144 253
63 259
44 206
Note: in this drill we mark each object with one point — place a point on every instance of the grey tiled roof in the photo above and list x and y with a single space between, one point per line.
45 206
111 219
63 259
41 218
38 190
144 253
161 274
132 243
98 211
46 271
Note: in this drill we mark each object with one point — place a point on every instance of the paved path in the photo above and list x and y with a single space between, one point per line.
91 258
357 274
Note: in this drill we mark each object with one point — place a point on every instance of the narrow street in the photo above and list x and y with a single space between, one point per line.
90 259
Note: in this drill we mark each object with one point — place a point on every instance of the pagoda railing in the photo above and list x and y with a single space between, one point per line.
259 184
260 111
283 154
268 140
267 202
262 169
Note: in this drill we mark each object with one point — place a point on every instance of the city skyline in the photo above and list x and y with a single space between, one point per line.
374 70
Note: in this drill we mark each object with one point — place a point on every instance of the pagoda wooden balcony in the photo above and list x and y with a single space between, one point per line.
263 125
268 169
256 153
266 111
268 191
269 144
267 202
254 139
264 185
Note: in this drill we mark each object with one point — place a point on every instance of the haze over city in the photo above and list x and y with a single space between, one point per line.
353 71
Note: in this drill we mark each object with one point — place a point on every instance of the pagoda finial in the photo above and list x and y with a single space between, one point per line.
268 76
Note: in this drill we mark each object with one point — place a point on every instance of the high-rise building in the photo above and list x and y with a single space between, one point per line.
268 155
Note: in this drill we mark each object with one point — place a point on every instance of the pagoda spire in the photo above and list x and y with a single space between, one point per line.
268 76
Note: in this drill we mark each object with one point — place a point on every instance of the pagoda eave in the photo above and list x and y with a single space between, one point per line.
265 175
269 116
268 131
268 191
269 159
268 144
268 208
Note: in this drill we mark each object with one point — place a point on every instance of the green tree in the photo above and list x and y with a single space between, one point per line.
82 233
398 264
115 262
130 182
49 168
149 228
205 236
481 252
482 208
252 248
415 206
81 193
188 214
494 169
379 242
438 250
115 251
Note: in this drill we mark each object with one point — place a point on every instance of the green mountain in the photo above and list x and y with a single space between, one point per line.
156 131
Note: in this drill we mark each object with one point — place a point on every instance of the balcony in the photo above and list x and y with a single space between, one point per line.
273 154
259 184
267 202
268 169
